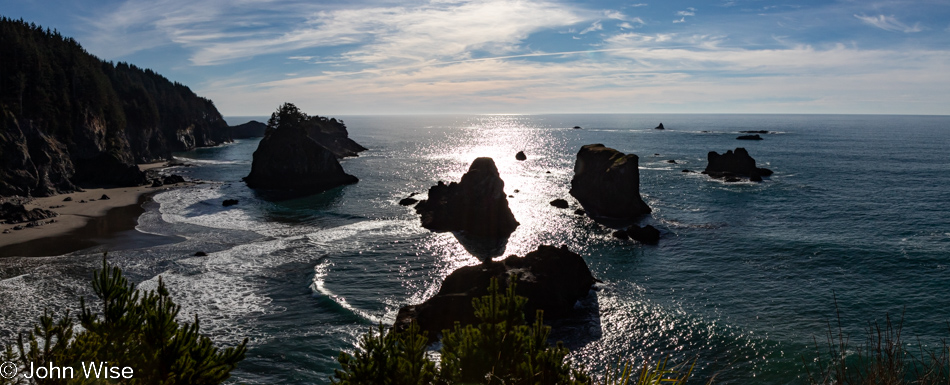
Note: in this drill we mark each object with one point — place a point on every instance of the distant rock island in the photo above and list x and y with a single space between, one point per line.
734 164
660 127
552 278
252 129
77 119
477 205
292 156
607 184
749 137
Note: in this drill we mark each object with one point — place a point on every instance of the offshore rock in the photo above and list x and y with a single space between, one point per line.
252 129
288 158
660 127
477 205
553 279
521 156
332 135
733 164
607 184
749 137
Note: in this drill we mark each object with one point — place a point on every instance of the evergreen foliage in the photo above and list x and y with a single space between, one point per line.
134 328
501 349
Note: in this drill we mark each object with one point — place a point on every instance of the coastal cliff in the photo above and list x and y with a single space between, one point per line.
67 117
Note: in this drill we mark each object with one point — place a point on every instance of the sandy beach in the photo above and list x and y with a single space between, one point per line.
75 214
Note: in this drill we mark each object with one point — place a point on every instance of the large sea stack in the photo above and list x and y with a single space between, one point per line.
607 183
553 279
477 205
252 129
733 164
68 118
288 158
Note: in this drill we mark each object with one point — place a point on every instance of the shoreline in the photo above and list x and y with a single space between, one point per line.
84 222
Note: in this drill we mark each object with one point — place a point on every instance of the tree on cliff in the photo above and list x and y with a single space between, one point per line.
133 328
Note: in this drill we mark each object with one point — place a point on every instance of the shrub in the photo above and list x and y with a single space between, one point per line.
135 328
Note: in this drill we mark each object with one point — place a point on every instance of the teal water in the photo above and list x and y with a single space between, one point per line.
744 278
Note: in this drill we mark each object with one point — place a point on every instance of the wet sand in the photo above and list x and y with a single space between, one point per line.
85 221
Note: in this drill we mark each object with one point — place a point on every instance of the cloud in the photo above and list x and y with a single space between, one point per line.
219 32
688 12
888 23
639 5
597 26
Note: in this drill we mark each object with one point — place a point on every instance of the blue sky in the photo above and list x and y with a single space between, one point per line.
528 56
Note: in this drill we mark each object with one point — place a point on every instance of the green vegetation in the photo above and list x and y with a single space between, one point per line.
884 359
134 328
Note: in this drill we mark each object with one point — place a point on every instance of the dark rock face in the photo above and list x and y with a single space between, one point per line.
553 279
577 127
157 183
252 129
201 254
607 183
409 201
660 127
521 156
755 132
646 234
172 179
13 213
104 197
229 202
476 205
288 158
559 203
750 137
332 135
733 164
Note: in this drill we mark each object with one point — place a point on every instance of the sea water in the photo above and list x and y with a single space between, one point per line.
854 224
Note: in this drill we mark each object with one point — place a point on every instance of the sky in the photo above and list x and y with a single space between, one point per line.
527 56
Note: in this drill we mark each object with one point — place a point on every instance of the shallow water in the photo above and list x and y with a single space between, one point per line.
743 279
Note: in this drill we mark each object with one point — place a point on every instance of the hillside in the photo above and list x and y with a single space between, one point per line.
68 117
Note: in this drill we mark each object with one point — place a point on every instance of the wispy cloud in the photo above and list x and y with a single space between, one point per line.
596 26
690 11
639 5
888 23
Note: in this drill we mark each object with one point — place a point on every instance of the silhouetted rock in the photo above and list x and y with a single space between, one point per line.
580 212
660 127
607 183
521 156
157 183
687 170
229 202
646 234
14 213
671 161
408 201
252 129
553 279
476 205
755 132
172 179
201 254
577 127
68 199
621 234
104 197
734 164
750 137
559 203
288 158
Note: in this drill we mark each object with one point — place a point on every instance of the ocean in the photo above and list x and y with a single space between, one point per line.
747 277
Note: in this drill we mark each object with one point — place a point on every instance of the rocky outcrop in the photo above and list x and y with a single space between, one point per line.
553 279
660 127
14 213
733 164
607 184
749 137
477 205
288 158
252 129
332 135
646 234
521 156
559 203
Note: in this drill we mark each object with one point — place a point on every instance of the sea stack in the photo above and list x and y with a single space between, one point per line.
660 127
607 184
733 164
477 205
288 158
552 278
